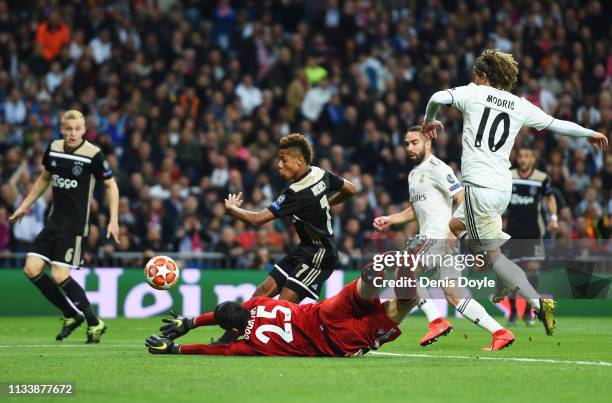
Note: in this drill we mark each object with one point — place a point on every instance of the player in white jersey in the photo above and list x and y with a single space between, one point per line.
492 118
433 189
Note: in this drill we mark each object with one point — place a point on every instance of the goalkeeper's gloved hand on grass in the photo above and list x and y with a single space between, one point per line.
176 326
161 345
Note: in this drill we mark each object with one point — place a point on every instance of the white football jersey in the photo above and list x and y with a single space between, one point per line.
432 185
492 119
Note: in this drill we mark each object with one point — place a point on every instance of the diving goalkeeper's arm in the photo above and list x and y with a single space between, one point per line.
177 326
164 345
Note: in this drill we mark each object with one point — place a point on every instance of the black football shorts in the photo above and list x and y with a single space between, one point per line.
304 270
57 247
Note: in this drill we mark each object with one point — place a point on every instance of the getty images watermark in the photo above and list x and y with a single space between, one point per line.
566 268
449 267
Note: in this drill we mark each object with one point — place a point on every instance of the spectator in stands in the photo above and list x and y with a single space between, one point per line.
101 47
315 99
52 35
15 111
262 260
229 246
186 118
250 96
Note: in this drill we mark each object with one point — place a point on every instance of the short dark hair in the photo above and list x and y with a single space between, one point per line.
297 142
231 315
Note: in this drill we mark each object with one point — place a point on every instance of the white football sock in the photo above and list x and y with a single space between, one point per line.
426 304
476 313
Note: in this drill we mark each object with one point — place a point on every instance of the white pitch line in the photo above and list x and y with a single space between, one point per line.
453 357
514 359
69 345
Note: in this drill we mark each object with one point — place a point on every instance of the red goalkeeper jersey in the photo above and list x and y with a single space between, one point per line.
339 326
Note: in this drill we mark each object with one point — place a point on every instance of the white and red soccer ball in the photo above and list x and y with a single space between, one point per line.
161 272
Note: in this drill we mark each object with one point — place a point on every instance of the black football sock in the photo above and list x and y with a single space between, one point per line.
77 295
52 292
527 312
512 301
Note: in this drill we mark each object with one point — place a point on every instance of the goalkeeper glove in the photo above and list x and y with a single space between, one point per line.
161 345
176 326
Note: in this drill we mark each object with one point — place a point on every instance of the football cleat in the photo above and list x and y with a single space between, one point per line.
94 333
68 326
415 244
546 315
501 339
437 328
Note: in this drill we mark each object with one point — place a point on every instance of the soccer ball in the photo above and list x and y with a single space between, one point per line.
161 272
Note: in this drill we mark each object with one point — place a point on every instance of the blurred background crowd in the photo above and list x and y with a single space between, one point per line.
189 99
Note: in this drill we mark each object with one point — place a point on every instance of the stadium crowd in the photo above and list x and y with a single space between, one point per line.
189 99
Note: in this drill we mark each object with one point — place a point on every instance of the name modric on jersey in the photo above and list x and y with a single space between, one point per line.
503 103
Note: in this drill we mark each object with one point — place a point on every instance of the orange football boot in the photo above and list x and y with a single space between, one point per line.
501 339
437 328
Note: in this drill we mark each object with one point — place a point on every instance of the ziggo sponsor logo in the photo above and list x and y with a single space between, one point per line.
59 182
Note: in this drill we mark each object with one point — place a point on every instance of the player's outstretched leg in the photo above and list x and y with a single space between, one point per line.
513 276
438 326
95 327
34 271
475 312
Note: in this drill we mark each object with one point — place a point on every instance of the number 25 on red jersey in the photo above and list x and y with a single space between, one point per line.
285 333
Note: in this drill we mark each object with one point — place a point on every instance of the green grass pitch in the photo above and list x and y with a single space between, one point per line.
574 365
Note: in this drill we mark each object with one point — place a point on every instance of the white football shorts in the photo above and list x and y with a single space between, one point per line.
481 213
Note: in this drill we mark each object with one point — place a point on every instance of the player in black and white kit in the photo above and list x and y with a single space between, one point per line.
492 118
71 166
302 272
525 223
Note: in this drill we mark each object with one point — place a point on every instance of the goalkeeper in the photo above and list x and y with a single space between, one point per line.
351 323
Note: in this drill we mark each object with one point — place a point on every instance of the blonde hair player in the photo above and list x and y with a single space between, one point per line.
492 118
71 166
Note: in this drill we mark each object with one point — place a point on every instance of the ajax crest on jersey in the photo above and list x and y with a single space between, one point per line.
77 170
